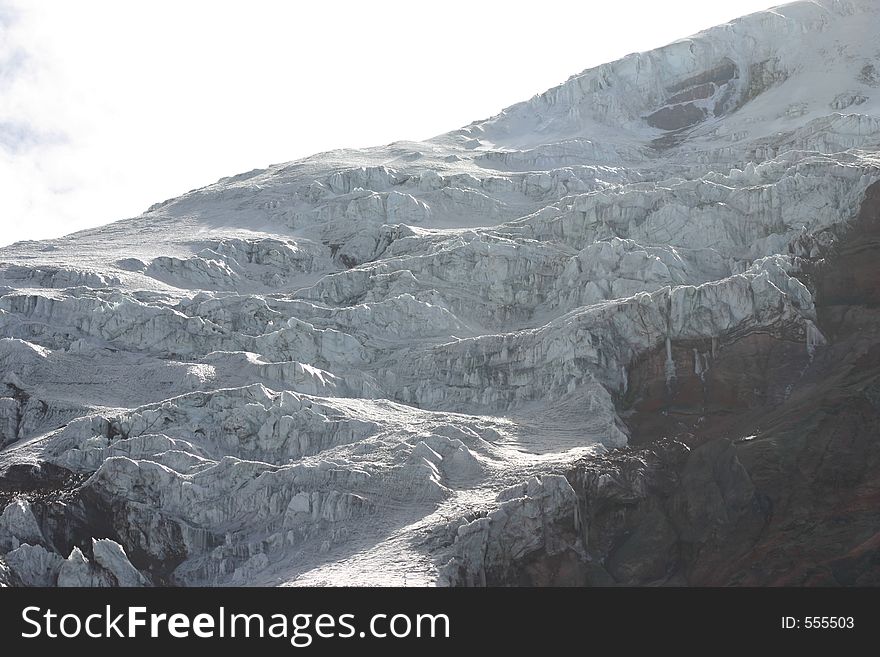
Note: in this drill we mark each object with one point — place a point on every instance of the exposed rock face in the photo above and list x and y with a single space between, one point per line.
779 484
305 374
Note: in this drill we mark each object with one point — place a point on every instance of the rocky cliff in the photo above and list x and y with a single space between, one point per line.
623 332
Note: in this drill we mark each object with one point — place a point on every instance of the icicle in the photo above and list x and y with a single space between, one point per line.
670 363
701 364
814 338
698 365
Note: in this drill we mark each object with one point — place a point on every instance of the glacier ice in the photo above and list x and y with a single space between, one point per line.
292 376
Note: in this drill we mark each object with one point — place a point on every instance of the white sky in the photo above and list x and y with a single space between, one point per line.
107 107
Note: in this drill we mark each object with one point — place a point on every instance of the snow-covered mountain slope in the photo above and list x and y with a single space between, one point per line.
298 374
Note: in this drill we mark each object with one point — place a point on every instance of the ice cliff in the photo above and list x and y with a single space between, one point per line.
305 374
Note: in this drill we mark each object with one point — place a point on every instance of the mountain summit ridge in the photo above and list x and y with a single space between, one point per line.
753 52
434 362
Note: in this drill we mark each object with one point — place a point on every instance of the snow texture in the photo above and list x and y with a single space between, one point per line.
292 375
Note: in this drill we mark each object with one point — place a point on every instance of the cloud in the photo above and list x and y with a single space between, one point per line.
13 58
31 205
17 137
8 14
13 63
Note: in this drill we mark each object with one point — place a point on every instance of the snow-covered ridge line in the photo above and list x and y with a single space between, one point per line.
291 375
704 76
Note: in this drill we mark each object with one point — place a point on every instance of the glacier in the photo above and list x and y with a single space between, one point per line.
371 366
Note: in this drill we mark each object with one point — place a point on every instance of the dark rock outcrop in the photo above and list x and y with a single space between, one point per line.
782 486
759 467
69 518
